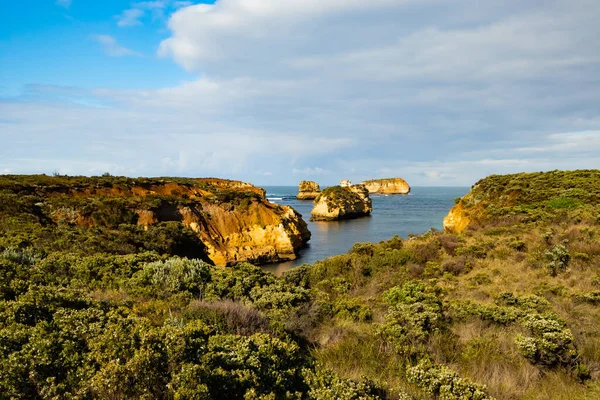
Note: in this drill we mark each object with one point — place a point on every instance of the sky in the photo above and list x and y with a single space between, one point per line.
439 92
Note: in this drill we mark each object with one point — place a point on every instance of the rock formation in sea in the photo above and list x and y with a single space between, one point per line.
387 186
232 219
308 190
342 202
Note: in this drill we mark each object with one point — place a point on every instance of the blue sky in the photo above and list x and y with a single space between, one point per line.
439 92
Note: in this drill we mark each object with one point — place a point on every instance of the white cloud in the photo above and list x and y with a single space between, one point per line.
130 17
133 16
113 48
437 91
64 3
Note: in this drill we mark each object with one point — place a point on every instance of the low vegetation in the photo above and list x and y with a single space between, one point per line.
510 308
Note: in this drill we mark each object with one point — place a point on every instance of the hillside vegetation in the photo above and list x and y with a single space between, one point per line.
217 220
509 309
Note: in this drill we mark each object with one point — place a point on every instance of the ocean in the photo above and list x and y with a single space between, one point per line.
417 212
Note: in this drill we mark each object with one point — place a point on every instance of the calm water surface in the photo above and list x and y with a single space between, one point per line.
417 212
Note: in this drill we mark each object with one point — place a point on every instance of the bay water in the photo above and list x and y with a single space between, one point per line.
423 208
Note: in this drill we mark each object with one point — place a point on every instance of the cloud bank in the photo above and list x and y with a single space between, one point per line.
439 92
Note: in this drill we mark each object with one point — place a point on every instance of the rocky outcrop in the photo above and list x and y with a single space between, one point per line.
387 186
457 219
308 190
232 219
504 200
342 202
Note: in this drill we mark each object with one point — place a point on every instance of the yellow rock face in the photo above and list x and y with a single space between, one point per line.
339 202
456 221
387 186
233 219
308 190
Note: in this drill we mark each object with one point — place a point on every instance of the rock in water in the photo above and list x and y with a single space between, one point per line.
337 202
387 186
308 190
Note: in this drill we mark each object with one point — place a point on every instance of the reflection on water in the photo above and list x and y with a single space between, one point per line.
332 227
422 209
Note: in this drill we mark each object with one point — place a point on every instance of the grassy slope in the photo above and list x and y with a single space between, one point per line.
498 255
479 308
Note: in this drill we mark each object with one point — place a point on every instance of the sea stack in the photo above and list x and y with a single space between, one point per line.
342 202
387 186
308 190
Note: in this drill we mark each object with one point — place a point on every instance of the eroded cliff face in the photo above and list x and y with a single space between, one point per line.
387 186
342 202
232 219
308 190
469 210
457 219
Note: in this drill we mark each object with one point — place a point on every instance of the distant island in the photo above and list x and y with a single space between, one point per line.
308 190
387 186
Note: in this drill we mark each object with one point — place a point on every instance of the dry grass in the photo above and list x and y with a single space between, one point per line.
558 385
489 356
229 316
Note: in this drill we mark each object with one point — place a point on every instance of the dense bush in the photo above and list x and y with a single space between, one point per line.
443 383
164 278
551 344
558 259
414 314
324 384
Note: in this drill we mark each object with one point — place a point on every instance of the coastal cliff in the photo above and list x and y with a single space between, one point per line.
342 202
224 221
387 186
308 190
525 197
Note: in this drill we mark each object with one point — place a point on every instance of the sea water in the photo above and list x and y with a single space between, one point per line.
417 212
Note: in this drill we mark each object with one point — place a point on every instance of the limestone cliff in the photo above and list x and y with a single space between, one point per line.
387 186
457 219
337 202
232 219
308 190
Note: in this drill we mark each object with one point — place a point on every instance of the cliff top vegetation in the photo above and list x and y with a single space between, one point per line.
507 309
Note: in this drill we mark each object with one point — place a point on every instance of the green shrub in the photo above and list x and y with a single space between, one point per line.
551 344
353 309
366 249
443 383
589 297
25 256
172 276
558 259
517 245
414 314
567 203
324 384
